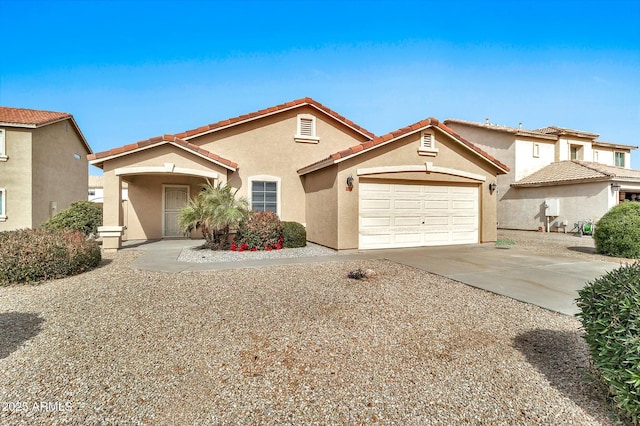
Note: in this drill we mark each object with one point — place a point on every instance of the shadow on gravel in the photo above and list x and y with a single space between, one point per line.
563 358
16 328
587 250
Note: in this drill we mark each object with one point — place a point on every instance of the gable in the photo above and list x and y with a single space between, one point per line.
413 134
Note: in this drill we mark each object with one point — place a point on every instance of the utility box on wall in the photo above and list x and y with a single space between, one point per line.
552 206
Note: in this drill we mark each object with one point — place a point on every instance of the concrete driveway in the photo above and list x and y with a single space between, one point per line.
551 282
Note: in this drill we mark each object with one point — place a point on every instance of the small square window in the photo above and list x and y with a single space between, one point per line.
536 150
3 147
264 196
3 205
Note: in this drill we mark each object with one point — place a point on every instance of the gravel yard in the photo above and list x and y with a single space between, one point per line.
298 344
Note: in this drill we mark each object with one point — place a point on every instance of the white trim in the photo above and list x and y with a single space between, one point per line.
429 148
3 145
167 168
536 150
266 178
304 137
427 167
3 205
164 191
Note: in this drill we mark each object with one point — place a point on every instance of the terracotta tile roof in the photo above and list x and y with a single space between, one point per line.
397 134
555 130
273 110
565 172
32 117
99 157
505 129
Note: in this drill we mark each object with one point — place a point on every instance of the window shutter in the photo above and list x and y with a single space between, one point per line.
306 127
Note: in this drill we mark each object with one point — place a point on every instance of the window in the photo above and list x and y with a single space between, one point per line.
619 159
92 192
264 196
3 148
596 156
575 152
536 150
306 129
427 144
3 205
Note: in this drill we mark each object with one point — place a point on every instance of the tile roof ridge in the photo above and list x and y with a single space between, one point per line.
594 166
159 139
187 134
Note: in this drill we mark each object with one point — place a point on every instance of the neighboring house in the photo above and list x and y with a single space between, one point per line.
43 165
559 177
96 190
419 185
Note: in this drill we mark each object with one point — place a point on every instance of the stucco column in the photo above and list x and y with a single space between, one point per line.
112 229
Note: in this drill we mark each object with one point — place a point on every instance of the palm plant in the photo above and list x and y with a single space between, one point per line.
215 211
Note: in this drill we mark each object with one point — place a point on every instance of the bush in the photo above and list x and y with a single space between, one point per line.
29 255
618 232
83 216
610 315
294 235
261 231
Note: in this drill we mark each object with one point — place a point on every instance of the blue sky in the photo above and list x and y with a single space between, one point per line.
131 70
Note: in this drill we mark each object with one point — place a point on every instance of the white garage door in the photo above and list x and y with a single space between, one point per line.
402 215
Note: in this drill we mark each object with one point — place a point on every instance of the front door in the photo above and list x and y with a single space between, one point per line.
174 198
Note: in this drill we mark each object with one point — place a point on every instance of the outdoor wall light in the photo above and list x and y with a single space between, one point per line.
492 187
615 187
350 183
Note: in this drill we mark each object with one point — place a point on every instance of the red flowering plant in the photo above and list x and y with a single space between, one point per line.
261 231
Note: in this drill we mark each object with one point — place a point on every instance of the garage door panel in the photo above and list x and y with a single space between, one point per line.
414 221
407 204
370 222
374 204
405 215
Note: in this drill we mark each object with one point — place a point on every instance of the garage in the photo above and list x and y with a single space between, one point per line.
393 215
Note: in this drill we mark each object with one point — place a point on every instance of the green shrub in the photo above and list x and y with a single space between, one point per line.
261 231
294 235
29 255
618 232
610 315
83 216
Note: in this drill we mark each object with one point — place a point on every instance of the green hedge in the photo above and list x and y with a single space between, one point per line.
610 315
83 216
30 255
294 234
618 232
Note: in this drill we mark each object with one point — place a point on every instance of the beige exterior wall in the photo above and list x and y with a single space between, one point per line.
401 153
322 190
16 177
266 147
60 170
524 207
530 156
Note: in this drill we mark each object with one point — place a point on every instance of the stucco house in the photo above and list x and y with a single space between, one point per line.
559 177
419 185
43 165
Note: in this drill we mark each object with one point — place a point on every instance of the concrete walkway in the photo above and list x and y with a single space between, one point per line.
551 282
